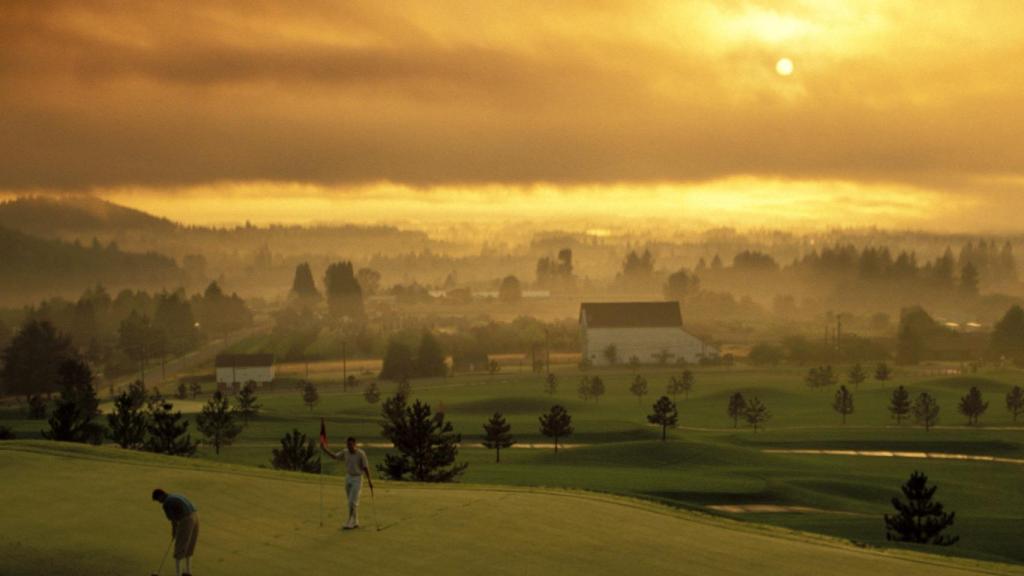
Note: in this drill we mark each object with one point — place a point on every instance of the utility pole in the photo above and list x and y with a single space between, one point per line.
344 365
547 353
839 336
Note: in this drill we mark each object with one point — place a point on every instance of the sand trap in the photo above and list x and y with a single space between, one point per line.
534 446
771 509
888 454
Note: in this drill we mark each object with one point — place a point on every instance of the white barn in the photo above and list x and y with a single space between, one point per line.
650 331
245 368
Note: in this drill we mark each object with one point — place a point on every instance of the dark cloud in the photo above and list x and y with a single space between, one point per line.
158 94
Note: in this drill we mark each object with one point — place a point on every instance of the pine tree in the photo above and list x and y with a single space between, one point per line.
398 362
167 433
303 286
497 435
843 402
557 423
551 384
638 388
925 410
372 393
737 408
297 452
756 413
665 414
857 375
430 360
427 444
972 405
1015 402
882 372
920 520
182 392
310 395
596 388
899 404
127 422
248 405
217 422
74 418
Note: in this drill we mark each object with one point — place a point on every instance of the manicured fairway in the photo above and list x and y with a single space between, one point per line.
707 465
84 510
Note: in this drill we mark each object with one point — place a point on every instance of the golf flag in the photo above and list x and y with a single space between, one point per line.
323 433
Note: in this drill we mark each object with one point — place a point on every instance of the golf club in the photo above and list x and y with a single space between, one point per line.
373 507
161 568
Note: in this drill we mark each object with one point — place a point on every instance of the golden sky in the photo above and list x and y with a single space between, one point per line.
902 113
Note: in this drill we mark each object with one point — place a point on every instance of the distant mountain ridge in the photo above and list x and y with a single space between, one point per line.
76 216
31 266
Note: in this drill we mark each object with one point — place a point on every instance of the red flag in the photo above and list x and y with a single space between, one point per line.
323 433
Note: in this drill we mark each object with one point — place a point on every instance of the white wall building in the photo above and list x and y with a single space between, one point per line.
650 331
245 368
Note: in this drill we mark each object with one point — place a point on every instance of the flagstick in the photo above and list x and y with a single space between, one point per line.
321 490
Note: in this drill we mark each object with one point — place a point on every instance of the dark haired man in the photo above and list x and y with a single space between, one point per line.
356 465
184 527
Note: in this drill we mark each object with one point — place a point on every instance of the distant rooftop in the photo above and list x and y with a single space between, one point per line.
244 360
631 314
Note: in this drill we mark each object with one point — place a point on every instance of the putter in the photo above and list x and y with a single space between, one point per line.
161 568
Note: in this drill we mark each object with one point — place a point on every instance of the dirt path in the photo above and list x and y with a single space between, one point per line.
888 454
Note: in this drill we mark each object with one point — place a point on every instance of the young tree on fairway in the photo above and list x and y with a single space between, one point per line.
551 384
756 413
372 393
737 408
821 377
638 388
857 375
182 392
7 434
665 414
557 423
127 422
1015 402
920 519
310 395
972 405
427 445
36 407
74 418
584 388
925 410
248 405
675 386
217 422
843 402
297 452
167 433
687 382
596 388
497 435
882 372
899 404
194 389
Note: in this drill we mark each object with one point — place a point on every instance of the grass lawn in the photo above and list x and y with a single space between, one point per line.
71 509
707 462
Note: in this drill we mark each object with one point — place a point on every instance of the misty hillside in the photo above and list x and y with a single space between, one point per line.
31 266
72 217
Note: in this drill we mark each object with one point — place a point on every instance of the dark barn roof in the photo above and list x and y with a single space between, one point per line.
244 360
631 314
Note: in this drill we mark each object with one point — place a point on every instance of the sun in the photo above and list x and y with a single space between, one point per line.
784 67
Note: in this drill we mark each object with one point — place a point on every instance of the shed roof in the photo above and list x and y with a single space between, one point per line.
244 360
631 314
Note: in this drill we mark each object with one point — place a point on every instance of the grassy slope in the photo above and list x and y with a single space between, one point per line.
83 510
707 462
